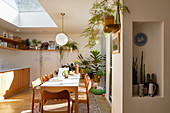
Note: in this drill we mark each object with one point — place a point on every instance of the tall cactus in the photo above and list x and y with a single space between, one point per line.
141 69
135 72
144 75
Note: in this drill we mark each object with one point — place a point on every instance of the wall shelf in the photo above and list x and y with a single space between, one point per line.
9 48
21 46
11 43
14 49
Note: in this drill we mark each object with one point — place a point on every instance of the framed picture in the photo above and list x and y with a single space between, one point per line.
140 39
5 34
116 43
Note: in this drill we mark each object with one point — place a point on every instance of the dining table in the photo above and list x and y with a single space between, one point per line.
60 83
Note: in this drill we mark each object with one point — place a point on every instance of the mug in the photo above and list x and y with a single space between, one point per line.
152 89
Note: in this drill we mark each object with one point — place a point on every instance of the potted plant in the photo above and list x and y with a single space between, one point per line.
69 46
26 43
98 75
83 62
135 76
89 71
36 43
97 60
99 10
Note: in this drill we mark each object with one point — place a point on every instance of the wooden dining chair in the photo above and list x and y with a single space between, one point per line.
36 97
50 76
56 102
45 78
82 87
83 97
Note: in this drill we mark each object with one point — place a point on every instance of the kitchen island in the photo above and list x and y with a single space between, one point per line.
13 80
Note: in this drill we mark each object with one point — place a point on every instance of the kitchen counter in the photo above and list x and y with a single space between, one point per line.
13 68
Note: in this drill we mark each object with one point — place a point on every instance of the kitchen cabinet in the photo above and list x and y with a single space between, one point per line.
13 81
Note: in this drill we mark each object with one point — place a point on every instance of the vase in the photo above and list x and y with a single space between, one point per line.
135 90
109 20
141 90
96 78
77 69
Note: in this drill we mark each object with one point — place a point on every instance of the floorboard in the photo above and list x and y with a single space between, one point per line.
21 103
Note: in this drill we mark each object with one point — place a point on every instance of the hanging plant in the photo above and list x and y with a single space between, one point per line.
98 11
70 45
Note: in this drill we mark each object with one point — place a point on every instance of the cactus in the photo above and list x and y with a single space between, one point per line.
135 72
144 74
148 78
141 69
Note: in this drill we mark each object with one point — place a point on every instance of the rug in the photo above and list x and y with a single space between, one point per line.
83 106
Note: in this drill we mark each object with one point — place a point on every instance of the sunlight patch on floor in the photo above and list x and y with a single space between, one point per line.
11 100
26 111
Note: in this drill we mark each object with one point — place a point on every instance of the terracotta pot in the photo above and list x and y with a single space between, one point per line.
96 78
82 71
109 20
112 28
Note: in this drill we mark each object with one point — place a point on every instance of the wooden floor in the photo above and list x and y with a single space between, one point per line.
21 103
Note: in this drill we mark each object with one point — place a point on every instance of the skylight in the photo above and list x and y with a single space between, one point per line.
25 5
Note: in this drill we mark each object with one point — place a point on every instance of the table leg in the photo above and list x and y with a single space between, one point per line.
76 100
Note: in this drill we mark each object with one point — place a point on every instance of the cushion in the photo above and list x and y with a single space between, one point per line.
98 91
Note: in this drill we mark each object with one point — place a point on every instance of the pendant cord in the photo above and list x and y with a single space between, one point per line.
62 24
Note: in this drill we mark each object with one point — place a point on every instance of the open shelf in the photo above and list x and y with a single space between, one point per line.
21 46
12 44
14 49
9 48
153 52
8 39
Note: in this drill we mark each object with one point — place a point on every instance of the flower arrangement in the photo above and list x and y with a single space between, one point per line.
76 61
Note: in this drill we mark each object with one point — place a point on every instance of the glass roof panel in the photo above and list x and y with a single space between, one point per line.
26 5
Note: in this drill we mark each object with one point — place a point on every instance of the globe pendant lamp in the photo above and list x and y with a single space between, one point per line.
62 38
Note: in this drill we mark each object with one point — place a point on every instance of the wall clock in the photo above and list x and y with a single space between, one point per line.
140 39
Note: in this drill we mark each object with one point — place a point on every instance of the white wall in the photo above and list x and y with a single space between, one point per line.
36 19
144 10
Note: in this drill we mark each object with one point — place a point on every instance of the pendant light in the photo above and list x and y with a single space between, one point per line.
62 38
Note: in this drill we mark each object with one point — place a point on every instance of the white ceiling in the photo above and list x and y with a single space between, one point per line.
75 20
77 13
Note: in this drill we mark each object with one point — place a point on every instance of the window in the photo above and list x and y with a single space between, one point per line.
25 5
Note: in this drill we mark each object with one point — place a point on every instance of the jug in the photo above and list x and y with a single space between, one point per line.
152 89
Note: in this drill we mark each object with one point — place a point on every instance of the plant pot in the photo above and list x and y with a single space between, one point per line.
135 89
108 20
96 78
91 75
36 47
141 90
82 71
111 28
26 47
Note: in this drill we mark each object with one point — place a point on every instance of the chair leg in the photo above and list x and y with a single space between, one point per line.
88 109
32 109
39 106
72 107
